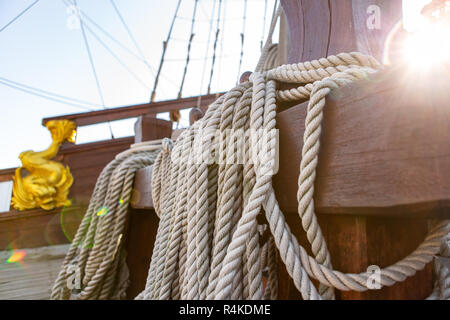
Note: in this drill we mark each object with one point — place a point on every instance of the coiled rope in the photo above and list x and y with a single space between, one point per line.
97 254
208 241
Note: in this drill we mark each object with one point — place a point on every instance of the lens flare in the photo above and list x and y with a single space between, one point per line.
121 201
428 47
102 211
16 256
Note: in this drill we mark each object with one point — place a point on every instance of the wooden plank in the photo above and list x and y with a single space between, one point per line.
148 126
142 225
32 278
93 117
142 228
36 228
7 174
141 197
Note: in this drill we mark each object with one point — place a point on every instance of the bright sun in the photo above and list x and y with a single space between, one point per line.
427 44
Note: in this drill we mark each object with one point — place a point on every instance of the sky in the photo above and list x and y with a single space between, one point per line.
45 49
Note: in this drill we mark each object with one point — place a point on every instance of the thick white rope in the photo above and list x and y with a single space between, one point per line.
207 244
97 254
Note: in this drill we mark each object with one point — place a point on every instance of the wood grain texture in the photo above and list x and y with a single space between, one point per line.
357 242
141 197
7 174
384 150
319 28
148 126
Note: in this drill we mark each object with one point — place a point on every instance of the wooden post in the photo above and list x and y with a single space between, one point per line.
148 127
382 225
143 224
319 28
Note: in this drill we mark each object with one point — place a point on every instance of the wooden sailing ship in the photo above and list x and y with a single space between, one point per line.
383 166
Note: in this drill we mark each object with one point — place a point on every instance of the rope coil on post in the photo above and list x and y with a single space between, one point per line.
97 255
207 245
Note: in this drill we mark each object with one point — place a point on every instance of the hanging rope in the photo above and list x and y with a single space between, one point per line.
97 255
209 204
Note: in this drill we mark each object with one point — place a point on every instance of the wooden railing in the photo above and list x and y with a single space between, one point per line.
93 117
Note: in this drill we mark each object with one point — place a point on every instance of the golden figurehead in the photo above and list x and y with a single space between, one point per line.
47 183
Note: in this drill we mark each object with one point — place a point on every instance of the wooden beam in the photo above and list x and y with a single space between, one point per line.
147 127
88 118
384 149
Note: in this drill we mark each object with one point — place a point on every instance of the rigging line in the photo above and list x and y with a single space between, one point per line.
91 60
232 54
165 43
111 37
215 47
244 19
94 34
188 49
207 48
222 37
130 34
186 40
18 16
45 97
50 93
118 59
264 25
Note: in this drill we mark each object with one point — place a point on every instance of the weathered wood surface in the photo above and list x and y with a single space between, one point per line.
141 198
7 174
149 126
93 117
142 225
319 28
32 278
356 242
384 150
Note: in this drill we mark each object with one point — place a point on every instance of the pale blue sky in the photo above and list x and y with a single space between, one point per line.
40 50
